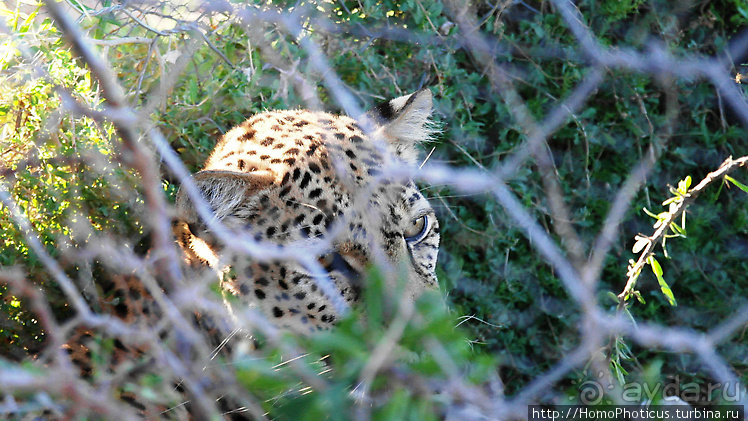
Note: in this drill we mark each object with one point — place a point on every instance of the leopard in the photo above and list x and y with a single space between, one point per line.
331 197
322 184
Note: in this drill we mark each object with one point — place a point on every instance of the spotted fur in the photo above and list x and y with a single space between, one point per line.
294 179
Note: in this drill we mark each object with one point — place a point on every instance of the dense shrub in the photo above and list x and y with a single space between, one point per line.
499 71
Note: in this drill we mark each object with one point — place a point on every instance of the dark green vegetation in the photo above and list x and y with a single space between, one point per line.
70 176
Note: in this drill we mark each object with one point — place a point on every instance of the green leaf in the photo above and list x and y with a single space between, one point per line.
684 185
396 407
618 371
623 350
677 229
193 91
669 201
630 316
657 270
737 183
649 213
612 296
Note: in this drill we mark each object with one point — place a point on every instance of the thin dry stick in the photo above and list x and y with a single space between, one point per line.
76 389
728 327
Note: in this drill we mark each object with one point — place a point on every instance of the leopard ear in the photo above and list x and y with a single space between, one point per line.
405 121
223 190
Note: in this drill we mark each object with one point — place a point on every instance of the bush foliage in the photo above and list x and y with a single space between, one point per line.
193 74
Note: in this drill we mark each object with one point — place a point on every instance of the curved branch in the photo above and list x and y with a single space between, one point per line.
724 169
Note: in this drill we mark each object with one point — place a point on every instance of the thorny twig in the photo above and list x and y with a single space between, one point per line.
674 213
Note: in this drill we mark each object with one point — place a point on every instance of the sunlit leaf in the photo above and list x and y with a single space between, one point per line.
641 242
677 229
737 183
649 213
664 287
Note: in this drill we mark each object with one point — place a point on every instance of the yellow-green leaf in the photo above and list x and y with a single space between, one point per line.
664 287
677 230
684 185
649 213
737 183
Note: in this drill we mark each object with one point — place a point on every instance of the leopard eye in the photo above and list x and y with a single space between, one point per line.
416 230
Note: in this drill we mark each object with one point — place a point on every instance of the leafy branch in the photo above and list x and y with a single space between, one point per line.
666 227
